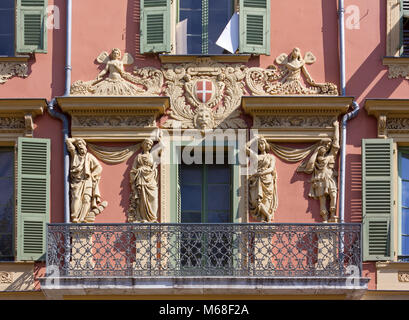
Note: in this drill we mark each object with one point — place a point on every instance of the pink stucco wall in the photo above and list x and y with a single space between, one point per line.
310 25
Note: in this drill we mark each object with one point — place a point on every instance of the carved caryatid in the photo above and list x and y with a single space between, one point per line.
286 79
115 81
85 174
144 199
323 182
263 199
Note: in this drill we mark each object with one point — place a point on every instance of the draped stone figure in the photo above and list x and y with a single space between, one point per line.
323 181
85 174
263 200
144 186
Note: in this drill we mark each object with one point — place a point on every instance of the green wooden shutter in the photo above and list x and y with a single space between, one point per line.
33 187
255 26
31 33
155 26
377 196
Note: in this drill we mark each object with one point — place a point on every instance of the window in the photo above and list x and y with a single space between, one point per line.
404 204
404 28
25 31
6 204
205 21
205 192
7 21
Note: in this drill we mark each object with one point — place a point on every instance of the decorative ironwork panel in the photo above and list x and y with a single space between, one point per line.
178 250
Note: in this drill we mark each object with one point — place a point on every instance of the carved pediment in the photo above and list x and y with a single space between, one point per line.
204 93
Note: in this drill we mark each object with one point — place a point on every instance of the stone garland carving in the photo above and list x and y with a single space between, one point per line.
323 182
144 198
11 123
287 78
204 95
263 199
109 121
395 123
85 174
12 69
294 121
145 81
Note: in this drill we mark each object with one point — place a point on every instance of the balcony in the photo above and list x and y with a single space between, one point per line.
204 259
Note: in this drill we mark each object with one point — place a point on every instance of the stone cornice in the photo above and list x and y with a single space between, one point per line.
295 118
174 58
113 118
16 118
398 66
392 116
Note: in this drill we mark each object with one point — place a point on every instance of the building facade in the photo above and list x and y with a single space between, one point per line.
216 149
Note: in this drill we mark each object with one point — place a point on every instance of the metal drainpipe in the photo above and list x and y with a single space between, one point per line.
59 115
346 117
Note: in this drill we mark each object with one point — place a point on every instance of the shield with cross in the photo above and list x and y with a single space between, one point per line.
204 90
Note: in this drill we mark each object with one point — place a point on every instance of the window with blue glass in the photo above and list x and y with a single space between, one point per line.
404 204
7 27
205 192
206 20
6 204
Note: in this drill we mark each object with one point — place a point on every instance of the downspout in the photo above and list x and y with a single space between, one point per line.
346 117
59 115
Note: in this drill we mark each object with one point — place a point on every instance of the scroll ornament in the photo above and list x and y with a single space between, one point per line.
12 69
85 174
319 161
115 81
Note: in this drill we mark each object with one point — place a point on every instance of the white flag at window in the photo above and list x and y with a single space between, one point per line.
181 37
229 39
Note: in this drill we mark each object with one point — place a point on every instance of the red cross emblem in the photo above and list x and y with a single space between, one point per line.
204 90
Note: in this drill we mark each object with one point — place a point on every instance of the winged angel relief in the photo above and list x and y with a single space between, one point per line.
204 95
286 79
115 81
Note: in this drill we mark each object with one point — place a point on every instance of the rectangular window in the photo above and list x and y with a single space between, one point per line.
404 204
404 28
206 21
6 204
7 27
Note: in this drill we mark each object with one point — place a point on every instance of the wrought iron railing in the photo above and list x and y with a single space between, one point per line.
178 250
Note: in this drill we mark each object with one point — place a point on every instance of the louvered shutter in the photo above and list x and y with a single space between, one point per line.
377 188
155 26
31 26
33 187
255 26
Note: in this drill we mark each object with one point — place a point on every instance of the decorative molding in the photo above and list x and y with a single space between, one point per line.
6 277
145 81
187 86
286 79
233 58
398 67
13 67
295 118
16 117
113 118
392 116
403 276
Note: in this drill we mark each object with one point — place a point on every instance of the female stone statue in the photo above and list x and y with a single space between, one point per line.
144 186
263 200
85 173
118 82
323 181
